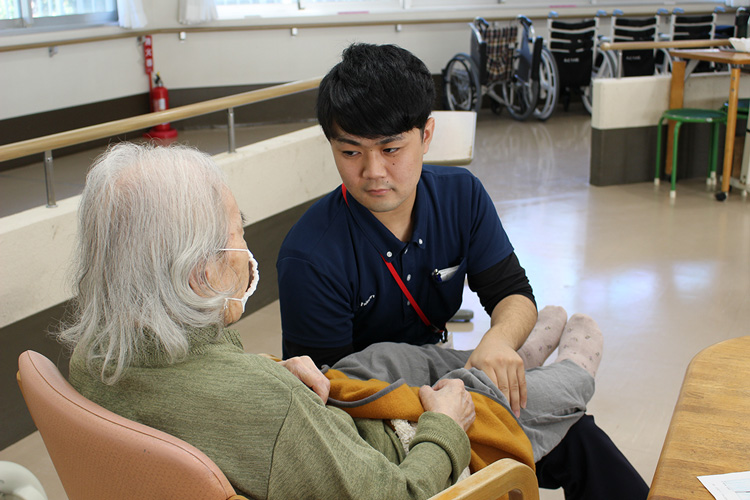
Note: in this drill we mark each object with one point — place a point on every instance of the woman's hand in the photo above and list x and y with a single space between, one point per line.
304 369
450 397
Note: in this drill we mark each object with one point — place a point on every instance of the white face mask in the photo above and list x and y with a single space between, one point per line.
254 276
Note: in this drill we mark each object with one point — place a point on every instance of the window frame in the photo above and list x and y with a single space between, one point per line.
28 24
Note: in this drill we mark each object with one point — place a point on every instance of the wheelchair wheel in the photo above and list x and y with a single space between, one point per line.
549 86
520 98
605 66
462 89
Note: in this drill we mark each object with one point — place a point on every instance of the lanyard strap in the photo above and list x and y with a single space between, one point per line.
402 286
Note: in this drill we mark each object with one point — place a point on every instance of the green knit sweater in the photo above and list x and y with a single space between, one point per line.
269 433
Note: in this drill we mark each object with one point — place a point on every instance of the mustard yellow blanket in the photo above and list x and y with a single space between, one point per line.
495 433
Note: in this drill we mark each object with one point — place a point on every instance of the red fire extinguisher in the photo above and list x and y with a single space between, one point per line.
159 102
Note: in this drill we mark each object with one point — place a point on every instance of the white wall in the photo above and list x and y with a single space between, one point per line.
32 81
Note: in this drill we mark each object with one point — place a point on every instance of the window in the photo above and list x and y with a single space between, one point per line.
52 14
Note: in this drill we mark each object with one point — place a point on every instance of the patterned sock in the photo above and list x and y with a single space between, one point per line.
582 343
544 338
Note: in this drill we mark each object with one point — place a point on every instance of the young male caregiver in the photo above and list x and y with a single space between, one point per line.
384 256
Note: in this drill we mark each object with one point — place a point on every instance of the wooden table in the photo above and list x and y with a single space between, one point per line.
679 73
710 428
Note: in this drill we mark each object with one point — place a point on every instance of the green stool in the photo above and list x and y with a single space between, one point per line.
689 115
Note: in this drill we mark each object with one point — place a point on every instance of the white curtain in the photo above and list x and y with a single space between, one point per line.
130 14
197 11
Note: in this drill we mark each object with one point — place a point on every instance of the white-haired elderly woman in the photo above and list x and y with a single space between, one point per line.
162 269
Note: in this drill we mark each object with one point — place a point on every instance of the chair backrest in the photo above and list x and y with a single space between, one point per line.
573 44
98 454
636 29
692 27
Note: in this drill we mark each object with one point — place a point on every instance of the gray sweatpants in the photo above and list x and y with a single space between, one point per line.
556 394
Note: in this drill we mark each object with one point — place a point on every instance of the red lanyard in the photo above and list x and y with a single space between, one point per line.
405 290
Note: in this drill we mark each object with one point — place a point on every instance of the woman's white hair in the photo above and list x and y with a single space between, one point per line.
151 219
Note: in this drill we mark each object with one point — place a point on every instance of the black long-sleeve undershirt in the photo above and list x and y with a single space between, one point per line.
492 285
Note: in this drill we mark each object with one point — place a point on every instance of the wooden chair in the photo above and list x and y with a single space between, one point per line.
98 454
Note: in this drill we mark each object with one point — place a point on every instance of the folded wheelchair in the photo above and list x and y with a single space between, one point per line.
514 69
646 29
574 45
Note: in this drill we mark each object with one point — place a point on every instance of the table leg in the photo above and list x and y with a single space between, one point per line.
734 86
676 99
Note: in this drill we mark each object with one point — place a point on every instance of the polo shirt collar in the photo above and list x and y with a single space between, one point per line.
380 236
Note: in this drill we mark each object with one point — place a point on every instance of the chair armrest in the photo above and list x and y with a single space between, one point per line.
497 479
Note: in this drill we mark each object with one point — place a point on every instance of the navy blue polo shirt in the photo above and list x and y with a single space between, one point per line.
335 289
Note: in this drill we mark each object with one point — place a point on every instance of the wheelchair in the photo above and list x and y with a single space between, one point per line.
574 45
696 27
638 62
516 72
639 29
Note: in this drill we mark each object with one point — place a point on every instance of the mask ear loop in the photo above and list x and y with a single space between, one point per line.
256 275
226 299
253 264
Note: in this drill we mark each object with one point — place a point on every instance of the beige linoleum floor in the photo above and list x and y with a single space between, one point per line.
662 280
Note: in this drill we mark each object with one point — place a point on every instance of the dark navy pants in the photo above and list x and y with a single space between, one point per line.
588 466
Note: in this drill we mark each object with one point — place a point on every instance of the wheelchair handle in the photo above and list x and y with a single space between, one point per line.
524 20
480 21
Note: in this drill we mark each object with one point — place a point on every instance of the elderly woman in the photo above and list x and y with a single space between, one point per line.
163 268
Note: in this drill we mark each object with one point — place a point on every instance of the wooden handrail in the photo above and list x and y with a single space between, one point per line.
680 44
537 12
213 29
109 129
